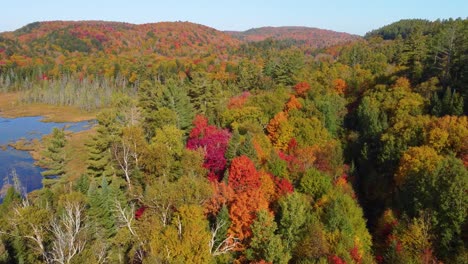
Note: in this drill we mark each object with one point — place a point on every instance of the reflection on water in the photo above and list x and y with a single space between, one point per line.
14 129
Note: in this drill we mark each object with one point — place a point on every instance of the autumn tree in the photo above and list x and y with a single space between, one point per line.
214 142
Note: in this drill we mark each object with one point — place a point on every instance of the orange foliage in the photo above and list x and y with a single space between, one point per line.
340 86
302 88
402 82
292 104
223 194
268 187
243 212
238 101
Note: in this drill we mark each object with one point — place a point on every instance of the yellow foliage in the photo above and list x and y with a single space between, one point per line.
280 131
415 239
415 160
448 133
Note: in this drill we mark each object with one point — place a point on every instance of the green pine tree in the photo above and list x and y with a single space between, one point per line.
99 161
54 155
265 244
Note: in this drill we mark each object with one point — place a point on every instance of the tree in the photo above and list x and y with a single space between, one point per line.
279 130
164 104
293 213
162 157
214 142
439 192
54 154
265 244
302 88
127 151
68 235
242 175
186 240
243 212
99 163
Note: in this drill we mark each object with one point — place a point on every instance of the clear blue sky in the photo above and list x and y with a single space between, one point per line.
357 17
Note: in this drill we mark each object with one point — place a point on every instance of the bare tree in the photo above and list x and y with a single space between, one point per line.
122 154
125 216
222 247
68 234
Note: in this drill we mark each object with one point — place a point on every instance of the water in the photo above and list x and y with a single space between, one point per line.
20 162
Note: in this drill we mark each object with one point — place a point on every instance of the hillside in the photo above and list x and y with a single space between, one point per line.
166 38
311 37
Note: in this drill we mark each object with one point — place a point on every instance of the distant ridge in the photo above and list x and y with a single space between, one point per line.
313 37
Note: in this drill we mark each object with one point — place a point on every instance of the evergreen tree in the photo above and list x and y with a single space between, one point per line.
265 244
165 104
99 161
54 154
233 146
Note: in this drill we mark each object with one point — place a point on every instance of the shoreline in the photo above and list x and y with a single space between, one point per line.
11 107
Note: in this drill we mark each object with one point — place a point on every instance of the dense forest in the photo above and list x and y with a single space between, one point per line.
255 147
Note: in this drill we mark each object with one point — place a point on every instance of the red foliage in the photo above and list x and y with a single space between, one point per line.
388 228
283 186
242 175
302 88
238 101
336 260
139 212
464 158
214 142
354 252
298 159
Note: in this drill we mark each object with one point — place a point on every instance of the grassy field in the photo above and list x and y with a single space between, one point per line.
10 106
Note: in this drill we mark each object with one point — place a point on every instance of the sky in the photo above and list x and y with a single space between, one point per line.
356 17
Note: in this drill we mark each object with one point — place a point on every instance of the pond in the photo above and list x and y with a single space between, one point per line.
20 163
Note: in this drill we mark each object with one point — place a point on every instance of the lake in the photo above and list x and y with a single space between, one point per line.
20 162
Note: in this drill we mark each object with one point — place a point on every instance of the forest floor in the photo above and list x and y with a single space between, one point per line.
11 106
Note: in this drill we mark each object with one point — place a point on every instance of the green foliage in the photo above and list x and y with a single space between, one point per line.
401 28
164 104
450 104
441 193
54 154
99 163
102 201
293 215
265 244
315 184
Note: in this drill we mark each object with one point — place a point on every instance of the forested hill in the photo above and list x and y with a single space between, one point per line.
166 38
312 37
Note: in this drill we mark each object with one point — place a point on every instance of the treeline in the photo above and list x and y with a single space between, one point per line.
355 154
